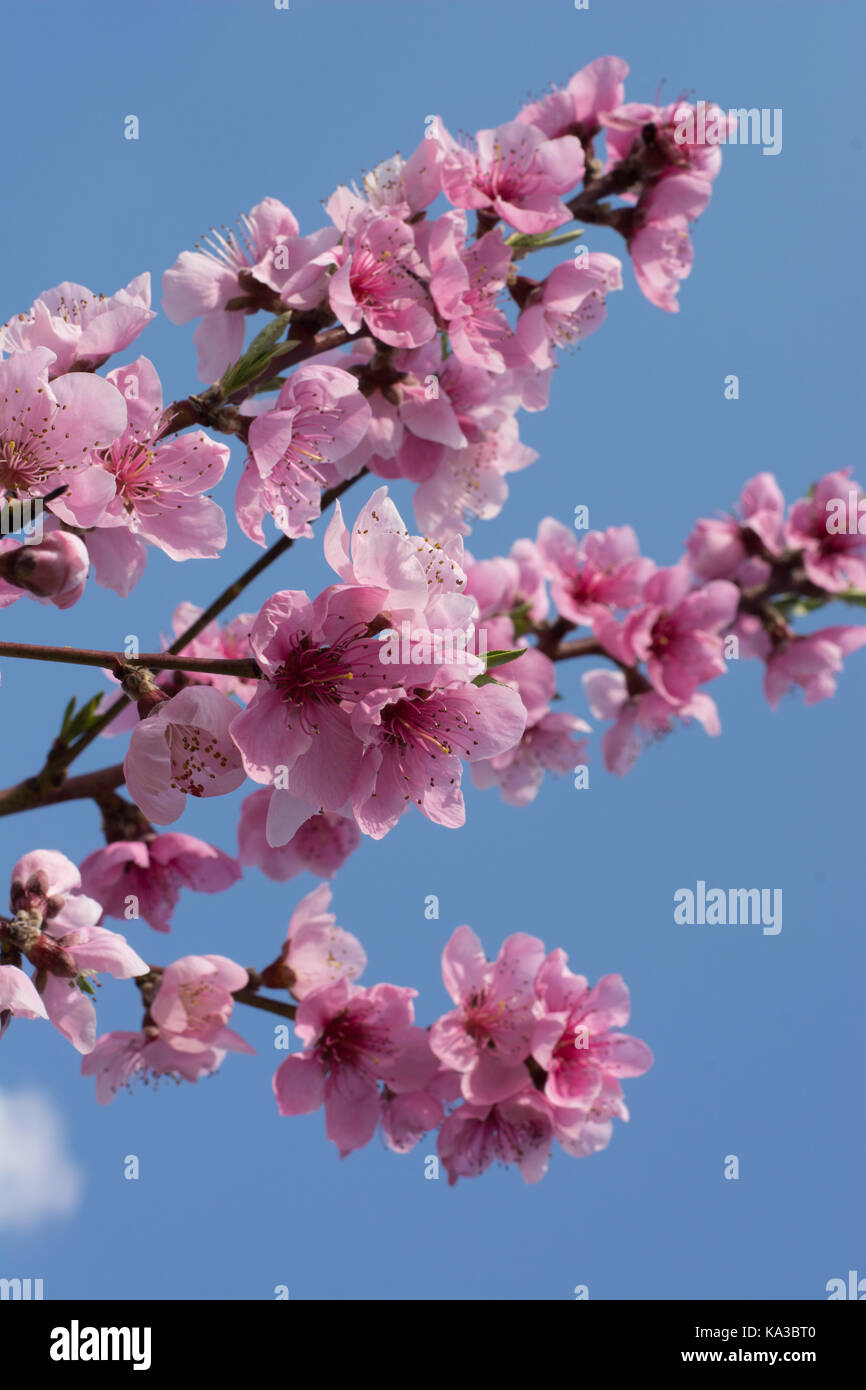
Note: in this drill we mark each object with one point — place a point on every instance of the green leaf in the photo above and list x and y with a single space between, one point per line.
798 605
269 336
520 618
67 715
79 722
855 596
487 680
502 658
534 241
264 347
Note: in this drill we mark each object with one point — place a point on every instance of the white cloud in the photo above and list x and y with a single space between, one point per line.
38 1177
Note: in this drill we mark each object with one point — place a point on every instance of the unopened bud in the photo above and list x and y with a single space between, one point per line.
56 569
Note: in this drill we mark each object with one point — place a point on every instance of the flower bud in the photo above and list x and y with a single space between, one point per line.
56 569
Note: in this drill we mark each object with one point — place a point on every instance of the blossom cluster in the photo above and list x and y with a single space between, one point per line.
348 729
429 379
529 1053
402 340
669 631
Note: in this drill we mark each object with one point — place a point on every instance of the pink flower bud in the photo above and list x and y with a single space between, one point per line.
55 570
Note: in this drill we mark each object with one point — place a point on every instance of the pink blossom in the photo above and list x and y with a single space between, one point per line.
548 745
353 1039
157 486
471 481
316 953
466 281
373 284
436 406
413 572
494 585
567 307
319 417
397 186
406 1117
420 581
317 661
531 588
47 433
677 632
582 1132
719 549
64 943
153 872
660 246
296 268
19 997
183 749
425 424
82 329
685 137
413 744
812 662
576 1038
54 571
46 882
514 173
96 948
834 551
647 714
525 386
194 1003
587 579
662 255
752 637
89 950
597 88
320 846
487 1037
532 675
266 255
518 1130
118 558
119 1058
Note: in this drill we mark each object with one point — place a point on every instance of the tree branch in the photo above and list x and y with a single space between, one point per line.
156 661
43 790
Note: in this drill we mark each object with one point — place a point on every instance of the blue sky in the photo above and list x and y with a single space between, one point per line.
758 1039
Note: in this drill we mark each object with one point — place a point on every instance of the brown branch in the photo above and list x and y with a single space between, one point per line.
581 646
157 661
587 206
247 995
48 789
